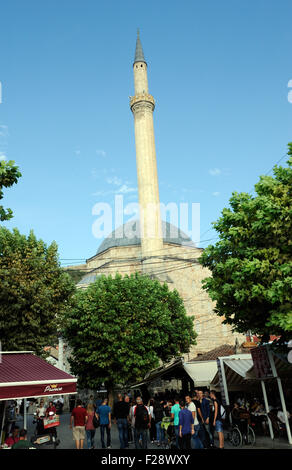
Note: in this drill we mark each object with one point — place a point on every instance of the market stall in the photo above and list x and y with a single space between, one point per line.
25 375
198 373
230 375
271 366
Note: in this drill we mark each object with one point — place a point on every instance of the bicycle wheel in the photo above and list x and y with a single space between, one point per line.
236 437
250 436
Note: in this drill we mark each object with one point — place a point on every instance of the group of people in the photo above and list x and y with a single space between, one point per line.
253 411
18 439
43 410
83 419
194 421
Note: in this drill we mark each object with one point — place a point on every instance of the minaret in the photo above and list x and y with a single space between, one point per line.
142 105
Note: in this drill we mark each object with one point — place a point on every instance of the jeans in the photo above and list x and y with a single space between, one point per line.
176 430
202 434
130 433
90 433
159 432
104 427
218 426
123 432
195 438
140 433
152 431
208 429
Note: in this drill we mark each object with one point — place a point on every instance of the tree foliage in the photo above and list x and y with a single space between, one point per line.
9 174
34 292
121 327
251 265
75 274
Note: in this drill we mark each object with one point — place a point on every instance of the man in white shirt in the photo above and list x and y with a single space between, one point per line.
41 409
192 407
281 416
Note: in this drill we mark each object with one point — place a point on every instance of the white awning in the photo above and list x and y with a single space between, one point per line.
236 367
201 372
240 366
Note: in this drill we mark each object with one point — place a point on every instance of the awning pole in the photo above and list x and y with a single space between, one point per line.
24 414
225 386
272 362
3 421
267 408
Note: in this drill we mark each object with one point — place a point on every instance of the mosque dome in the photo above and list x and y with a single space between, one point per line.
129 235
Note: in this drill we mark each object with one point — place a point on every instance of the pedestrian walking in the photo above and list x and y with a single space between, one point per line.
205 420
216 418
130 433
89 427
121 415
195 436
202 432
104 413
158 415
132 419
152 430
142 423
175 416
98 403
186 426
91 401
79 416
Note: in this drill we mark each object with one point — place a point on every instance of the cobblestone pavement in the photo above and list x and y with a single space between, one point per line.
66 438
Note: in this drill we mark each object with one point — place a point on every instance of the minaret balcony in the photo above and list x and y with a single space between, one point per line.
143 99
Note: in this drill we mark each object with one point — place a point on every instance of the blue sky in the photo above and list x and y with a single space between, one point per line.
219 72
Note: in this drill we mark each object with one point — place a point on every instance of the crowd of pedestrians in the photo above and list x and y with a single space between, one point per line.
179 423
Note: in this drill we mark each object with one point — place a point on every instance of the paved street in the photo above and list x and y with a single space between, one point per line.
65 436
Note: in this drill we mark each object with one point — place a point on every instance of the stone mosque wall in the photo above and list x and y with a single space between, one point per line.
180 269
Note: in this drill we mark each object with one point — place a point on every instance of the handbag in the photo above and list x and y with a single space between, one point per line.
95 421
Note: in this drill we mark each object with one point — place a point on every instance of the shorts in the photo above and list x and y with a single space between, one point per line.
78 433
218 426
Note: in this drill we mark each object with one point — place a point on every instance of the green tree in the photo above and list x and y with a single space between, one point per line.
75 274
34 292
9 174
121 327
251 265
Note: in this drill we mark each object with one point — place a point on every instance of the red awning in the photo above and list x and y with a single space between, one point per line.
24 375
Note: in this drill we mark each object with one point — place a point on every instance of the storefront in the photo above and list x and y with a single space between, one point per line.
24 375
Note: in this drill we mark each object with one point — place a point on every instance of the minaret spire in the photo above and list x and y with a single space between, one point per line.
142 105
139 54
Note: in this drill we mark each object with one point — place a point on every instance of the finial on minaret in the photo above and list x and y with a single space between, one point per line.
139 55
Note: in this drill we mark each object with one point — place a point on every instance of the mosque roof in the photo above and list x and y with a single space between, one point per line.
139 55
129 235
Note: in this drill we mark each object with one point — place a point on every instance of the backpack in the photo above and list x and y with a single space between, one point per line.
141 417
221 408
158 414
222 412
